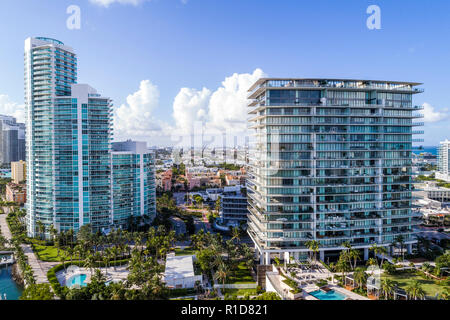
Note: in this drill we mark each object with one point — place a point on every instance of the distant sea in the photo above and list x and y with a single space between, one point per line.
421 149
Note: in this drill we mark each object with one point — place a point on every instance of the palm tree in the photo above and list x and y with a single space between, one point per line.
313 246
400 240
70 252
353 254
445 294
63 260
89 262
236 234
387 287
342 266
41 229
105 261
372 262
360 276
383 252
53 232
222 273
375 249
415 290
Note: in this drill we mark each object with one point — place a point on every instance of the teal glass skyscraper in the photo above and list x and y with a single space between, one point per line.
68 140
133 183
330 162
69 150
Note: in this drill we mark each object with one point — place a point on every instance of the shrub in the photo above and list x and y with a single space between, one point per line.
321 283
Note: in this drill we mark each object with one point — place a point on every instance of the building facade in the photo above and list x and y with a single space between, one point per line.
133 182
233 205
68 144
16 193
330 161
18 171
443 161
12 140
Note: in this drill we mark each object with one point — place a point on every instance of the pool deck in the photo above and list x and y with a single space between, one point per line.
120 273
348 293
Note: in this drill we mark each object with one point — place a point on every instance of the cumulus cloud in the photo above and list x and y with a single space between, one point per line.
432 115
228 105
134 119
189 106
223 109
107 3
11 108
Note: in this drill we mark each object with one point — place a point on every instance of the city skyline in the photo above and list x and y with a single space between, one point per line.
163 90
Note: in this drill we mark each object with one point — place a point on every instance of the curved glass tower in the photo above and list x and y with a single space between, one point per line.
330 162
68 140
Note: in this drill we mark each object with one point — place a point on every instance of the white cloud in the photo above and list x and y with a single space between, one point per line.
190 105
431 115
134 119
224 109
107 3
229 105
11 108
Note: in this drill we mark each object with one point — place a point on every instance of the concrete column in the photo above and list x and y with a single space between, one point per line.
366 254
322 255
409 247
267 258
261 258
287 258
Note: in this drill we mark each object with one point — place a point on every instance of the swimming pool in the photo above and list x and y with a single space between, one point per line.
77 279
330 295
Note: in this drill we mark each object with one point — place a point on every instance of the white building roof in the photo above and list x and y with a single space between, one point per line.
178 267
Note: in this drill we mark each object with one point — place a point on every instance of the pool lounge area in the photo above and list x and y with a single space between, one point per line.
76 277
76 280
328 295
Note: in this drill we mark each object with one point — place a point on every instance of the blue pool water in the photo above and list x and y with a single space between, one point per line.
330 295
8 285
77 280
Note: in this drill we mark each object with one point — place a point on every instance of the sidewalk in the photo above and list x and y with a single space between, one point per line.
40 268
4 227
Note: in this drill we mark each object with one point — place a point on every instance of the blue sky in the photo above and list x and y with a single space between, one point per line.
194 58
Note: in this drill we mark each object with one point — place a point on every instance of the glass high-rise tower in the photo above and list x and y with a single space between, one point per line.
133 183
69 156
68 140
330 162
443 161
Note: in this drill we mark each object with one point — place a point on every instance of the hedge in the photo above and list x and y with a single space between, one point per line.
181 292
58 289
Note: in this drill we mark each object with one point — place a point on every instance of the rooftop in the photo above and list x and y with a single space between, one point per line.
262 80
179 267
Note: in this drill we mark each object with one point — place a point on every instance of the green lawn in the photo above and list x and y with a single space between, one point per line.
241 275
48 253
188 251
240 292
404 279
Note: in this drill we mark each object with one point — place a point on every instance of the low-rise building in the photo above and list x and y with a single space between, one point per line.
233 205
431 191
164 180
180 273
16 192
18 171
